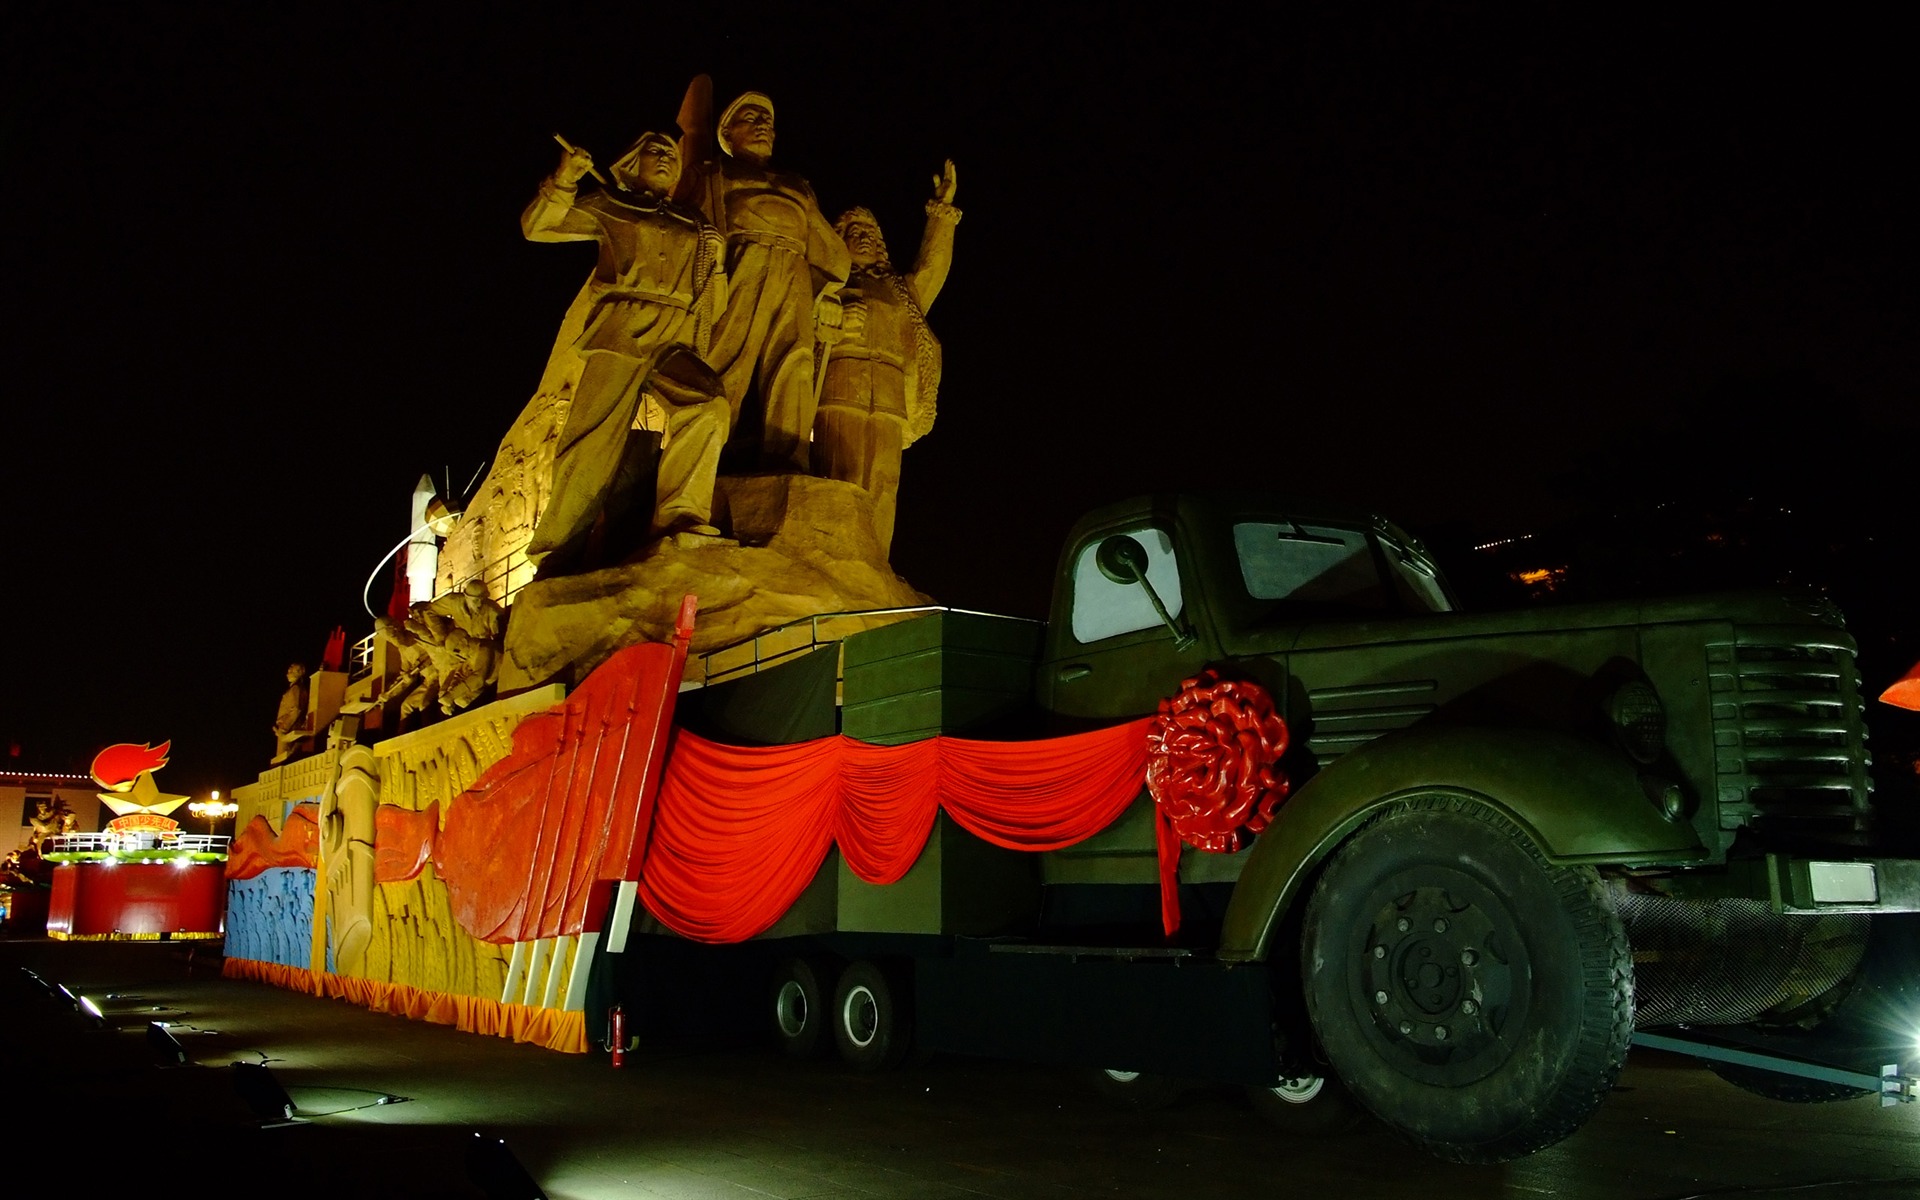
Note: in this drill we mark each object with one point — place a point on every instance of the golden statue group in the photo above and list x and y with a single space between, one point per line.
731 320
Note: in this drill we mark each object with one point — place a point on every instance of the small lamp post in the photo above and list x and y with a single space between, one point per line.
213 810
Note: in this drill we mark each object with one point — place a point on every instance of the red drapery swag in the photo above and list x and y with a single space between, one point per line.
740 831
737 832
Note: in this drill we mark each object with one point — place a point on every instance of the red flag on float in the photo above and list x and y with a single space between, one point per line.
335 654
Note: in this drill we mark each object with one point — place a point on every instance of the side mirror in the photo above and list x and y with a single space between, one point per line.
1123 559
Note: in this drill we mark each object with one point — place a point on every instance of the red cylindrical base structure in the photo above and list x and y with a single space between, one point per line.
121 899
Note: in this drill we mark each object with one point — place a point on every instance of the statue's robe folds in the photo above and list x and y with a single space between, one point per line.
781 255
655 294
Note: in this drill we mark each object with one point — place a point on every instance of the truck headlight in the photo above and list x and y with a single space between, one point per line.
1639 720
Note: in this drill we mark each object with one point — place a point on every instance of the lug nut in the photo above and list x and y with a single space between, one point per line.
1406 1027
1379 997
1403 925
1439 924
1439 1033
1468 958
1469 1007
1379 951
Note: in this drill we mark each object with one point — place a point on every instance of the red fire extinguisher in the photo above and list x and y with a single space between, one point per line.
617 1034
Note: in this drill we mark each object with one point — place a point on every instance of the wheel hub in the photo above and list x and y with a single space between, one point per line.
1442 973
790 1008
861 1015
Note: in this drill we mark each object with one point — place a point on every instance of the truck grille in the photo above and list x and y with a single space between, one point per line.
1789 733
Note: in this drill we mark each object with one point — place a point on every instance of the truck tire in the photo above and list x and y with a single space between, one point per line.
1473 996
1307 1106
872 1023
800 1007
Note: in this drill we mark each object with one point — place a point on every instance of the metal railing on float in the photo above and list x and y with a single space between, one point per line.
135 842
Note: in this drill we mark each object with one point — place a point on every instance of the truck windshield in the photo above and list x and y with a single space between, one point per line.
1311 564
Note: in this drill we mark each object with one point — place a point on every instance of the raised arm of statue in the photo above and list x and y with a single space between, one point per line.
552 217
935 259
700 183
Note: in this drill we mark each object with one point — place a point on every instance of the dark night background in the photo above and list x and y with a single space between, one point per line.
1491 270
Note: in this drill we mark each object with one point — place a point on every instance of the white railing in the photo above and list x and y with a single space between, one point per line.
134 841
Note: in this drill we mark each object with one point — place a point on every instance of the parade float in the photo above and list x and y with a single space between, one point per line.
142 877
657 729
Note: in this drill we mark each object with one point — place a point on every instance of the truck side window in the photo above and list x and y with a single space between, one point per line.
1309 563
1104 609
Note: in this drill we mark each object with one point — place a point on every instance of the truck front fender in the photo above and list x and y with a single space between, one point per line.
1580 801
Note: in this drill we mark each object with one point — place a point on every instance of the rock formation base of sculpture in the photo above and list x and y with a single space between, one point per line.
796 547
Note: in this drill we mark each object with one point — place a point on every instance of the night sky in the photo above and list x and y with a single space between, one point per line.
262 270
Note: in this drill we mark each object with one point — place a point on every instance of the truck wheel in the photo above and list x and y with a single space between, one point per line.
1470 994
1791 1089
871 1025
1309 1105
800 1004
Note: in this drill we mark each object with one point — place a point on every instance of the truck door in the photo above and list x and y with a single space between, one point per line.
1113 653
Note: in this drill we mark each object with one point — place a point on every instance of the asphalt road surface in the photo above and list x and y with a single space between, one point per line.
93 1101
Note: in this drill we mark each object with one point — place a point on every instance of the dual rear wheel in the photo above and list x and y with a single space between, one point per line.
865 1015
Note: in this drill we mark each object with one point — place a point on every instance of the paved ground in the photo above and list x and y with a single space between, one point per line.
741 1123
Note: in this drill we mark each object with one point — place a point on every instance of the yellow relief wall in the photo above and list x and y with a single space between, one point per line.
409 935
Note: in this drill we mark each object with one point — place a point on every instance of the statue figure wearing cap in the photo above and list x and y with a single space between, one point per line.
785 268
879 386
655 297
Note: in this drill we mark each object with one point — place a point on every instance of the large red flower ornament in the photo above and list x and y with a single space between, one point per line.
1211 761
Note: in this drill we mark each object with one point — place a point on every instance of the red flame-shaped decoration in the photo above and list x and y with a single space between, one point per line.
116 767
1905 693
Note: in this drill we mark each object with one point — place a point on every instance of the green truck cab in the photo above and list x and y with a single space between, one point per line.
1513 840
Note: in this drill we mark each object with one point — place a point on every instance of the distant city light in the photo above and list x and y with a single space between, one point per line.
1525 537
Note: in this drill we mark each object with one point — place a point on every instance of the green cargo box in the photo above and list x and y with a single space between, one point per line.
950 672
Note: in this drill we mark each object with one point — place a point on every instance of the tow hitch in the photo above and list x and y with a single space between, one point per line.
1892 1087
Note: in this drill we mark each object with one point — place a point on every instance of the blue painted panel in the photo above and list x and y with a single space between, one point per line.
270 917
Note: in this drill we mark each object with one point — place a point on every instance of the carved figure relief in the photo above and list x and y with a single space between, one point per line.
785 268
290 721
653 301
881 382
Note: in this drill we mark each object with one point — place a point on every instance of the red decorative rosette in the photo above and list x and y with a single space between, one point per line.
1211 761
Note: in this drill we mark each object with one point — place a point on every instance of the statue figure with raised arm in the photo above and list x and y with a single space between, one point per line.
882 380
655 295
785 269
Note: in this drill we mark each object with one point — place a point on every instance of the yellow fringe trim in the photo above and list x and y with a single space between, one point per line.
550 1028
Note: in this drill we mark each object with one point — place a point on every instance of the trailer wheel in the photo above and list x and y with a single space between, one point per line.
872 1025
1473 996
1134 1091
800 1007
1308 1105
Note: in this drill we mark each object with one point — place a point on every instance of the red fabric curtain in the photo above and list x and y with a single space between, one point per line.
740 831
